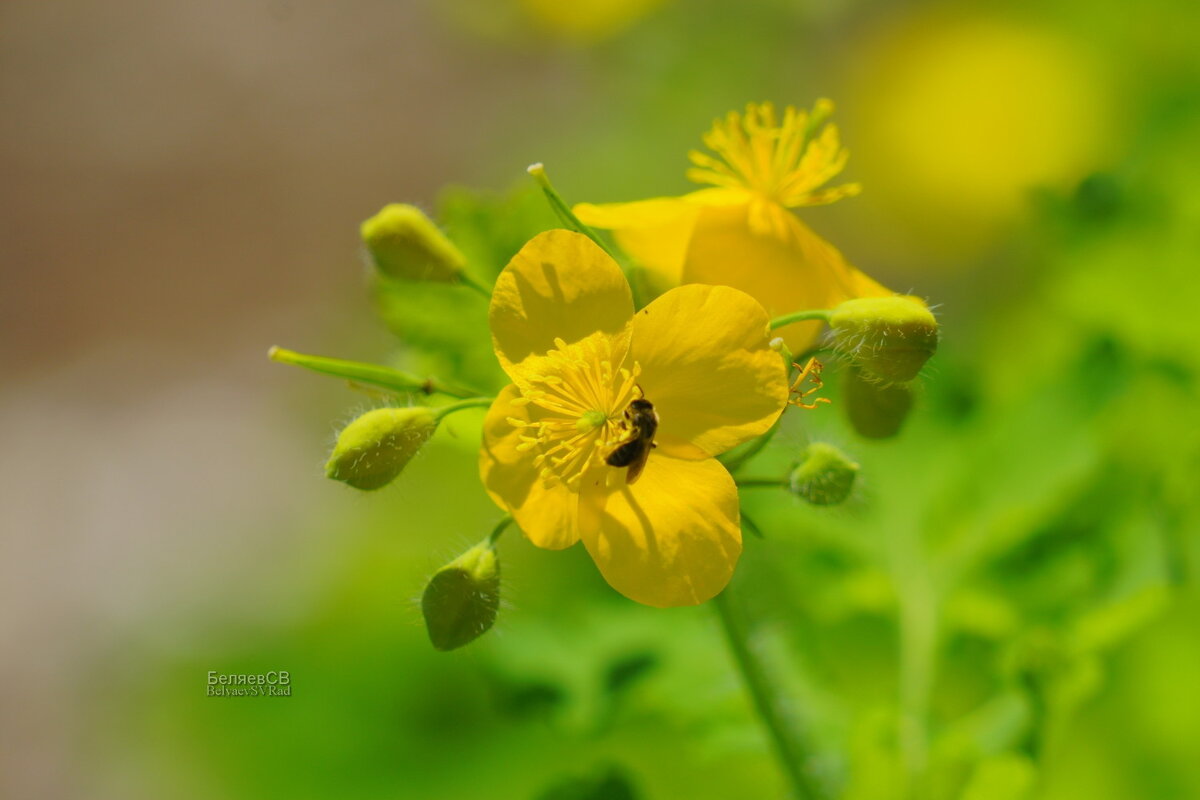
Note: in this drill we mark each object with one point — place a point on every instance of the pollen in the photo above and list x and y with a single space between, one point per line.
784 160
577 395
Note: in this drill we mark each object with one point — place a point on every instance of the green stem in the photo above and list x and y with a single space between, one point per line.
538 171
501 526
918 596
737 460
751 525
371 374
767 699
761 483
756 445
471 402
471 283
801 316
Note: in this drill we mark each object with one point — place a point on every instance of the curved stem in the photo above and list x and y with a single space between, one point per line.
738 460
501 526
767 699
370 374
801 316
471 402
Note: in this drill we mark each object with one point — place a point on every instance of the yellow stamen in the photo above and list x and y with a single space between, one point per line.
578 395
784 161
812 372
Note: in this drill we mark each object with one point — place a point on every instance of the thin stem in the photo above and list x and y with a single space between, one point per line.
501 526
538 171
471 402
751 525
370 374
471 283
801 316
761 483
767 699
737 460
756 445
918 596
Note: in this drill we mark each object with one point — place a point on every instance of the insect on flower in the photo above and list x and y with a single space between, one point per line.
641 423
609 431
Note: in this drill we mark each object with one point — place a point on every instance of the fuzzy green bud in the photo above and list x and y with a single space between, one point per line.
825 476
403 243
876 410
462 598
889 337
373 449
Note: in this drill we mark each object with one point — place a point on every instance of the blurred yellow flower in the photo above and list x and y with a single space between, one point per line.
587 20
741 231
959 116
692 371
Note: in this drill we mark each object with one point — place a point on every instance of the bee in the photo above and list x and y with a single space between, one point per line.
641 423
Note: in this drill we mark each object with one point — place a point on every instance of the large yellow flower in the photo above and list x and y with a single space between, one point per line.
565 331
741 232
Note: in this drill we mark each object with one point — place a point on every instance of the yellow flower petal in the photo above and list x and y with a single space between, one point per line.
560 285
708 369
765 251
547 514
654 232
672 538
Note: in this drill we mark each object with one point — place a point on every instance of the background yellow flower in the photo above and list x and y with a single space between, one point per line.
742 232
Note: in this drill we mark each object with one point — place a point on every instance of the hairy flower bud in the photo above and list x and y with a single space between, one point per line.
403 243
373 449
890 338
461 599
825 475
876 410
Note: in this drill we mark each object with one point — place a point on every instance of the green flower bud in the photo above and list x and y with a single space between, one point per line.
404 243
373 449
890 338
461 599
876 410
825 475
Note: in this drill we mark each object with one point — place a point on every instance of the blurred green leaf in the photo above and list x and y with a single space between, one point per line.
1007 777
609 783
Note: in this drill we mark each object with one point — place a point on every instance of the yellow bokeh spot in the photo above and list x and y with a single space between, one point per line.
587 20
957 119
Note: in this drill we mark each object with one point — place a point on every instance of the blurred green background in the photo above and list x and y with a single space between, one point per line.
1008 604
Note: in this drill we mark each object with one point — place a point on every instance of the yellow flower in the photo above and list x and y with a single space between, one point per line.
741 232
565 331
587 21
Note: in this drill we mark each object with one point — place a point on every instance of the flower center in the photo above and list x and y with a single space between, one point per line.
580 396
783 161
